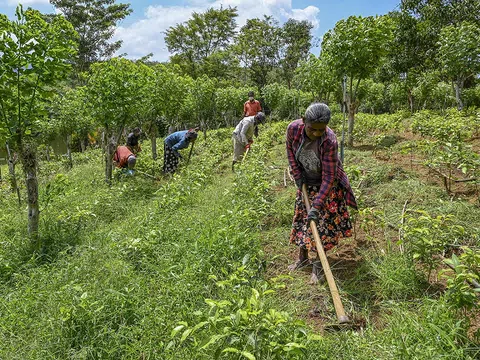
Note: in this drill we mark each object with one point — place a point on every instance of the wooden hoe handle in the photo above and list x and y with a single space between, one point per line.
190 153
244 156
337 302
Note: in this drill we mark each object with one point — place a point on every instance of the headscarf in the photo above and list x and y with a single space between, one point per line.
191 134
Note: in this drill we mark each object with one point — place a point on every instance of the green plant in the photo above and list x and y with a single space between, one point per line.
466 270
427 238
35 56
395 276
246 327
446 157
372 221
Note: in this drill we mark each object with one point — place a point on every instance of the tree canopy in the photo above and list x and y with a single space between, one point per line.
94 21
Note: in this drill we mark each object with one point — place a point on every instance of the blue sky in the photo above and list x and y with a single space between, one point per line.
142 31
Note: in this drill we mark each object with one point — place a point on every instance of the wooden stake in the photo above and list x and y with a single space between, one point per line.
400 230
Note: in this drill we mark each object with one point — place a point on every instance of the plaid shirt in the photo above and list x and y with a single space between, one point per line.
331 165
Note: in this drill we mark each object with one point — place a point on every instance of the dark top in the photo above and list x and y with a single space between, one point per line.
132 140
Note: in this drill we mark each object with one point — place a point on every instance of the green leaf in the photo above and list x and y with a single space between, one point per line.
213 339
246 354
185 334
176 330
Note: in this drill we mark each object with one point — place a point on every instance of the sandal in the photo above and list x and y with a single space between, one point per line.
317 273
299 264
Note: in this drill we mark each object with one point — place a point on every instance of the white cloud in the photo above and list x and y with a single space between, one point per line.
27 2
310 13
147 35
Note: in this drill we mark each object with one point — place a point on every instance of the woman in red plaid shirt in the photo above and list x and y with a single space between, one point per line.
312 151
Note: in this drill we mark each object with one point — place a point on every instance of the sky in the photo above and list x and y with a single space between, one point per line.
143 31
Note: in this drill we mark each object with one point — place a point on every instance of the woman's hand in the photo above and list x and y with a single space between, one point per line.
314 215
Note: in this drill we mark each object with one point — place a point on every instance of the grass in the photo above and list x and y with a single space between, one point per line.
123 266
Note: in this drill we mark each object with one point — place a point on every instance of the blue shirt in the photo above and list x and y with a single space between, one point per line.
177 141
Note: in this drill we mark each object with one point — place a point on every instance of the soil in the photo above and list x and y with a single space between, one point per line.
345 258
474 330
414 163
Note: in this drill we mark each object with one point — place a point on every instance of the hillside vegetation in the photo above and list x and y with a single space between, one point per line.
194 266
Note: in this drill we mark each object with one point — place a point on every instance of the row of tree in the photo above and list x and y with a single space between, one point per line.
421 52
418 56
412 53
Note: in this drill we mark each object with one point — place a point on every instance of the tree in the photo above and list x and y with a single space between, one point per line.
70 116
354 48
95 21
229 103
115 91
432 16
203 92
459 54
286 103
408 53
372 95
297 42
440 13
35 55
315 76
200 44
257 47
167 91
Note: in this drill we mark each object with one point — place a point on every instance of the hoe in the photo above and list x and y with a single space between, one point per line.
190 153
245 155
337 302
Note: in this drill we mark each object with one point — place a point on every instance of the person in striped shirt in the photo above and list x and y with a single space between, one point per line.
312 151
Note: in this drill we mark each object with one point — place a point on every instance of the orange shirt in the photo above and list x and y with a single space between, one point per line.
121 156
251 108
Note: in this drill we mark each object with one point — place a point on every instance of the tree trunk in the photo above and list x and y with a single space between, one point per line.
351 121
82 145
29 162
11 170
69 151
203 126
109 152
154 145
47 152
458 93
111 141
103 142
410 100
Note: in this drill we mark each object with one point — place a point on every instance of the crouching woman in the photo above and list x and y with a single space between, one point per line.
174 142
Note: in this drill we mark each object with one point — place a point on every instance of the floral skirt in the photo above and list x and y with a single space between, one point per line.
334 220
170 161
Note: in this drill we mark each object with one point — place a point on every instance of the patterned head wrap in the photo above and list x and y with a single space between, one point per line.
191 134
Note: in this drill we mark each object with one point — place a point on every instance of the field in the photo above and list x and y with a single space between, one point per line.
194 266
